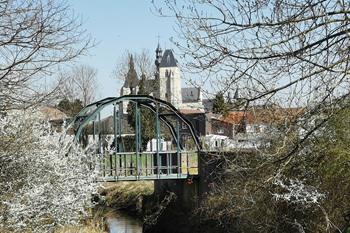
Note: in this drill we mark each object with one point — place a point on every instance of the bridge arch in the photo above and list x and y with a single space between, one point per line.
153 162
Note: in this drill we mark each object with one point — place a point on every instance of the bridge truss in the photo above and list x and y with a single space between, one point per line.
115 126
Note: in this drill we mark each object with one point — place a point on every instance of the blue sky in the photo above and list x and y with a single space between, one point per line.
117 26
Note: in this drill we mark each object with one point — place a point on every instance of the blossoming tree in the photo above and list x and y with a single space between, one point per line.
45 179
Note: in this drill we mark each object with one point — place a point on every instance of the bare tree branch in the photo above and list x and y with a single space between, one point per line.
35 37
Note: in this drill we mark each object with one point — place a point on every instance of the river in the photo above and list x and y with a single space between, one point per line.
122 223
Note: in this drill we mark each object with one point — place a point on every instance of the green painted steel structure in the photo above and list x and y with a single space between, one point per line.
117 163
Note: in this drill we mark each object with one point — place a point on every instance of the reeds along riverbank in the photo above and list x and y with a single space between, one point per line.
91 226
127 196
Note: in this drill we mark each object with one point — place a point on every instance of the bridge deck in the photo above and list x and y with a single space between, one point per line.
129 166
136 178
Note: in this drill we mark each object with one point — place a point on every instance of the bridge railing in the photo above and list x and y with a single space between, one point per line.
148 165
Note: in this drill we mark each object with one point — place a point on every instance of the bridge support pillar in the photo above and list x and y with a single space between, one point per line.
192 190
177 217
186 191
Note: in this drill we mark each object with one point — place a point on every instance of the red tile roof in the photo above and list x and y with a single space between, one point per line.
235 117
263 116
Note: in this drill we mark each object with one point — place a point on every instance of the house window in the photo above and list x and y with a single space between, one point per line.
220 130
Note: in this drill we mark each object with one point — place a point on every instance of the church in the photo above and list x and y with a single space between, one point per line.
237 129
166 83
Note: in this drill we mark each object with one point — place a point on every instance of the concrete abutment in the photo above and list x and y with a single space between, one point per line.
178 215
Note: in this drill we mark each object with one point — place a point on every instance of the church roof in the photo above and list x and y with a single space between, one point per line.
131 80
168 59
190 94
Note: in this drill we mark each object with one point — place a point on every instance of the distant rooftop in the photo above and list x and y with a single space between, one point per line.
51 113
263 116
208 104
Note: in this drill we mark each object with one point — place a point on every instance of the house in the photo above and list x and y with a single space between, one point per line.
254 127
54 116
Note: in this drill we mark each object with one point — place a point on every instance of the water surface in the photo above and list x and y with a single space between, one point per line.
122 223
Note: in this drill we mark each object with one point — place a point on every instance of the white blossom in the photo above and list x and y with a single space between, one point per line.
295 191
45 179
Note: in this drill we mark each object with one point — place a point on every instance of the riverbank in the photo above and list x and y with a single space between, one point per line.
158 213
128 197
106 220
120 206
92 226
134 205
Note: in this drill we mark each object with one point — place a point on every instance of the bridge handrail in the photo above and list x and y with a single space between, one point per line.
152 152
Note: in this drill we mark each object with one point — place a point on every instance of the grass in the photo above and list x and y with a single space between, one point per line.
96 224
92 226
192 163
124 194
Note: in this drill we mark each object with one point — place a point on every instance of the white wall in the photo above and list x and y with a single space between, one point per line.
170 87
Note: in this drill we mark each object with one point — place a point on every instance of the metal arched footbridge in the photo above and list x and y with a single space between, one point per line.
138 137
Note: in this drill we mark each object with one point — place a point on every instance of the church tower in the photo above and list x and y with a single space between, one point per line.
169 77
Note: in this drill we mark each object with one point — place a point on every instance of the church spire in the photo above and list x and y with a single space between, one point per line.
236 95
159 53
131 80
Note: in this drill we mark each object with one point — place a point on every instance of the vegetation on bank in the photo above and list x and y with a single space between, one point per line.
270 192
92 226
127 195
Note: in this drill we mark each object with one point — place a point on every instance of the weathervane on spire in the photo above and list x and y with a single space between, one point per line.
159 53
